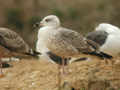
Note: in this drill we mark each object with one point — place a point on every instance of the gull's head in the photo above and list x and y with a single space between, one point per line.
103 26
108 28
51 20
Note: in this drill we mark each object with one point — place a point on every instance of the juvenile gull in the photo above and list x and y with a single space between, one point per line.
64 42
46 54
108 37
11 43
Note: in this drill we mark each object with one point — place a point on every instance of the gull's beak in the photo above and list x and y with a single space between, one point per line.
41 24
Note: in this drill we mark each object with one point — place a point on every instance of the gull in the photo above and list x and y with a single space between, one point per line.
12 44
108 37
46 54
64 42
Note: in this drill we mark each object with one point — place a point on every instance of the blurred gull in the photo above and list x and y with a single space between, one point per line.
11 44
108 37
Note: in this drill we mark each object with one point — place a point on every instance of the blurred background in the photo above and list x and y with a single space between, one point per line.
80 15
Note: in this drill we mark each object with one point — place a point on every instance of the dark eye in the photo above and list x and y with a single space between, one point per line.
47 20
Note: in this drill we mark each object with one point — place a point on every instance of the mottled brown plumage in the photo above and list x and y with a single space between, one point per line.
12 44
67 43
63 42
12 41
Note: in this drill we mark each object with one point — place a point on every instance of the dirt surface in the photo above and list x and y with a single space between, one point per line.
43 75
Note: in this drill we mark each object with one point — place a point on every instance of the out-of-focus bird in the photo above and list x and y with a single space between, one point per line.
11 44
108 37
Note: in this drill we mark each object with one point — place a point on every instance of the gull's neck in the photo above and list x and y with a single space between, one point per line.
49 27
45 30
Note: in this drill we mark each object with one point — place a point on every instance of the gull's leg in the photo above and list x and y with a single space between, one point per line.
61 73
63 66
68 70
1 72
59 77
106 61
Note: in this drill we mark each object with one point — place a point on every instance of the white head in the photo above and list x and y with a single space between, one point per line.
51 20
107 27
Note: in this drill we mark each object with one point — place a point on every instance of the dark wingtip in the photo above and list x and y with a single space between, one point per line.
56 59
106 55
101 55
34 53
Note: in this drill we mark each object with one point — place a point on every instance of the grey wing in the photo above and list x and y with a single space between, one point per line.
12 41
97 36
69 41
78 41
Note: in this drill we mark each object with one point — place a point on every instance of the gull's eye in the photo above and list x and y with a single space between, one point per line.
47 20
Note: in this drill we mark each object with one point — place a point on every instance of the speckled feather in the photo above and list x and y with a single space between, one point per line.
67 43
12 41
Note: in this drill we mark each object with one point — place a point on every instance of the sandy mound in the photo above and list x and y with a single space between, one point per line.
42 75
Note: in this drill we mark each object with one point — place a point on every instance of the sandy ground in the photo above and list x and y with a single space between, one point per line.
43 75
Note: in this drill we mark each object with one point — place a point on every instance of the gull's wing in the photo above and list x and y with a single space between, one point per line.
97 36
64 40
12 41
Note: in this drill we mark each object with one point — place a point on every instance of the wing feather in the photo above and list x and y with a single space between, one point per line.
65 40
12 41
